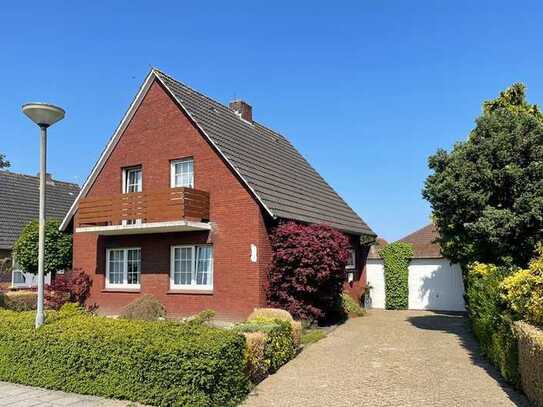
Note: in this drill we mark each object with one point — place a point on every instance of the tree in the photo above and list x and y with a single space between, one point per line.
307 270
487 193
3 162
58 248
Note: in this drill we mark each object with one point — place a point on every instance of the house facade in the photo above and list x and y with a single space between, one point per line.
181 203
434 282
19 205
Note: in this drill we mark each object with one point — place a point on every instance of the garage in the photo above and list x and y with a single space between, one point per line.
434 283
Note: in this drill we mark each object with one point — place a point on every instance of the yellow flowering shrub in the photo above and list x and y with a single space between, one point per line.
523 291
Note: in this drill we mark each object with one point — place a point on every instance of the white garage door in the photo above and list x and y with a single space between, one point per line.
434 284
375 278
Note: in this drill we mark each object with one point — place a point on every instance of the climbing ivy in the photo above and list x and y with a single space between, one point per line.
396 257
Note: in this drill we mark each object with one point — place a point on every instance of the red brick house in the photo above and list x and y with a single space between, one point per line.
181 202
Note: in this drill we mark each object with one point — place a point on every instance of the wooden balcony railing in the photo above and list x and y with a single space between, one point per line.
163 206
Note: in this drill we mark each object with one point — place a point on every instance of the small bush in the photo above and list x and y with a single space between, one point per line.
270 313
19 300
396 258
307 270
350 306
279 347
146 308
523 291
530 339
73 287
157 363
257 365
202 317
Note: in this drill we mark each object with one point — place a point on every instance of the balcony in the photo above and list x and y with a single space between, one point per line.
171 210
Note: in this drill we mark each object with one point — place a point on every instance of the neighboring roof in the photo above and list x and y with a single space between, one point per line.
423 241
374 248
280 178
19 203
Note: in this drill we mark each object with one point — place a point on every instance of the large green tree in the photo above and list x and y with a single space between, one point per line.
487 192
58 248
4 163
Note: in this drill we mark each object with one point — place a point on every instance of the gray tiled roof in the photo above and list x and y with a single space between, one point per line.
278 174
19 203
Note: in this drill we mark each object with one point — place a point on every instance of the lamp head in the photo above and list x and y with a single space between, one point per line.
43 114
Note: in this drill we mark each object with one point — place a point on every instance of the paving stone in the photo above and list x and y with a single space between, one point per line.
390 358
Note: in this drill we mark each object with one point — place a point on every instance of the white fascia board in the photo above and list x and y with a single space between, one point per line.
109 147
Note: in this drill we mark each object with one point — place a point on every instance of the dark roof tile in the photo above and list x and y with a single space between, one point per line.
19 203
279 175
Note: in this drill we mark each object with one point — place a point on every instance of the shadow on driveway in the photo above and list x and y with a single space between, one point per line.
458 324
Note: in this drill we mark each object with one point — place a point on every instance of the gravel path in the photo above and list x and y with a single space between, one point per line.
389 358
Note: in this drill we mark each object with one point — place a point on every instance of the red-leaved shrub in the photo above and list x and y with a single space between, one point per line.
74 287
307 271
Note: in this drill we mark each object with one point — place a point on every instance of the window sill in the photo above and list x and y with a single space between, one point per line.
121 290
190 291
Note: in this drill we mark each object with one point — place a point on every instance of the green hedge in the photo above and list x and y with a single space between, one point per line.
492 325
396 257
157 363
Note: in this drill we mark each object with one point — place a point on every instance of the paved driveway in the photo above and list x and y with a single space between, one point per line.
389 358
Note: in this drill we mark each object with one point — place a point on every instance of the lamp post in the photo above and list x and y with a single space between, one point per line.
44 115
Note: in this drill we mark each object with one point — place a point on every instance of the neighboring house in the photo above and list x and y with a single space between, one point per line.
434 283
19 204
182 200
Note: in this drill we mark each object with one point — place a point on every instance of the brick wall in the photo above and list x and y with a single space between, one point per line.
158 133
356 288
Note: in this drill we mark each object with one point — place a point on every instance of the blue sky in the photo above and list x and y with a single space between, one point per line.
366 90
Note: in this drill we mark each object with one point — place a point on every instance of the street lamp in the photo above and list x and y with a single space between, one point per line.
44 115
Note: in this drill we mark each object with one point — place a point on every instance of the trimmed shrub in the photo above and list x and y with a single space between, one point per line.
530 340
307 271
396 258
71 287
203 317
279 347
523 291
146 308
19 300
297 331
270 313
351 307
157 363
491 324
257 366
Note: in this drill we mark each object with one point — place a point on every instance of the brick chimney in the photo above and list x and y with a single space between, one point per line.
242 109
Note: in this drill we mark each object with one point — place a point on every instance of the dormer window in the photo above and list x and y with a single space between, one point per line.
182 173
132 180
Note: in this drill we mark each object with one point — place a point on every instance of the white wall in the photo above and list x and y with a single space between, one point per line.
376 279
434 284
27 280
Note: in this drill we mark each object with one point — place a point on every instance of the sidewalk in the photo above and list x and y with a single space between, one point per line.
16 395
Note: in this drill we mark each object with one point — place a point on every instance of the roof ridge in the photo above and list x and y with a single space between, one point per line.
255 122
19 174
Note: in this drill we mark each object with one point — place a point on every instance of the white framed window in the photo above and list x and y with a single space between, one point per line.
350 267
191 267
182 173
123 268
132 180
